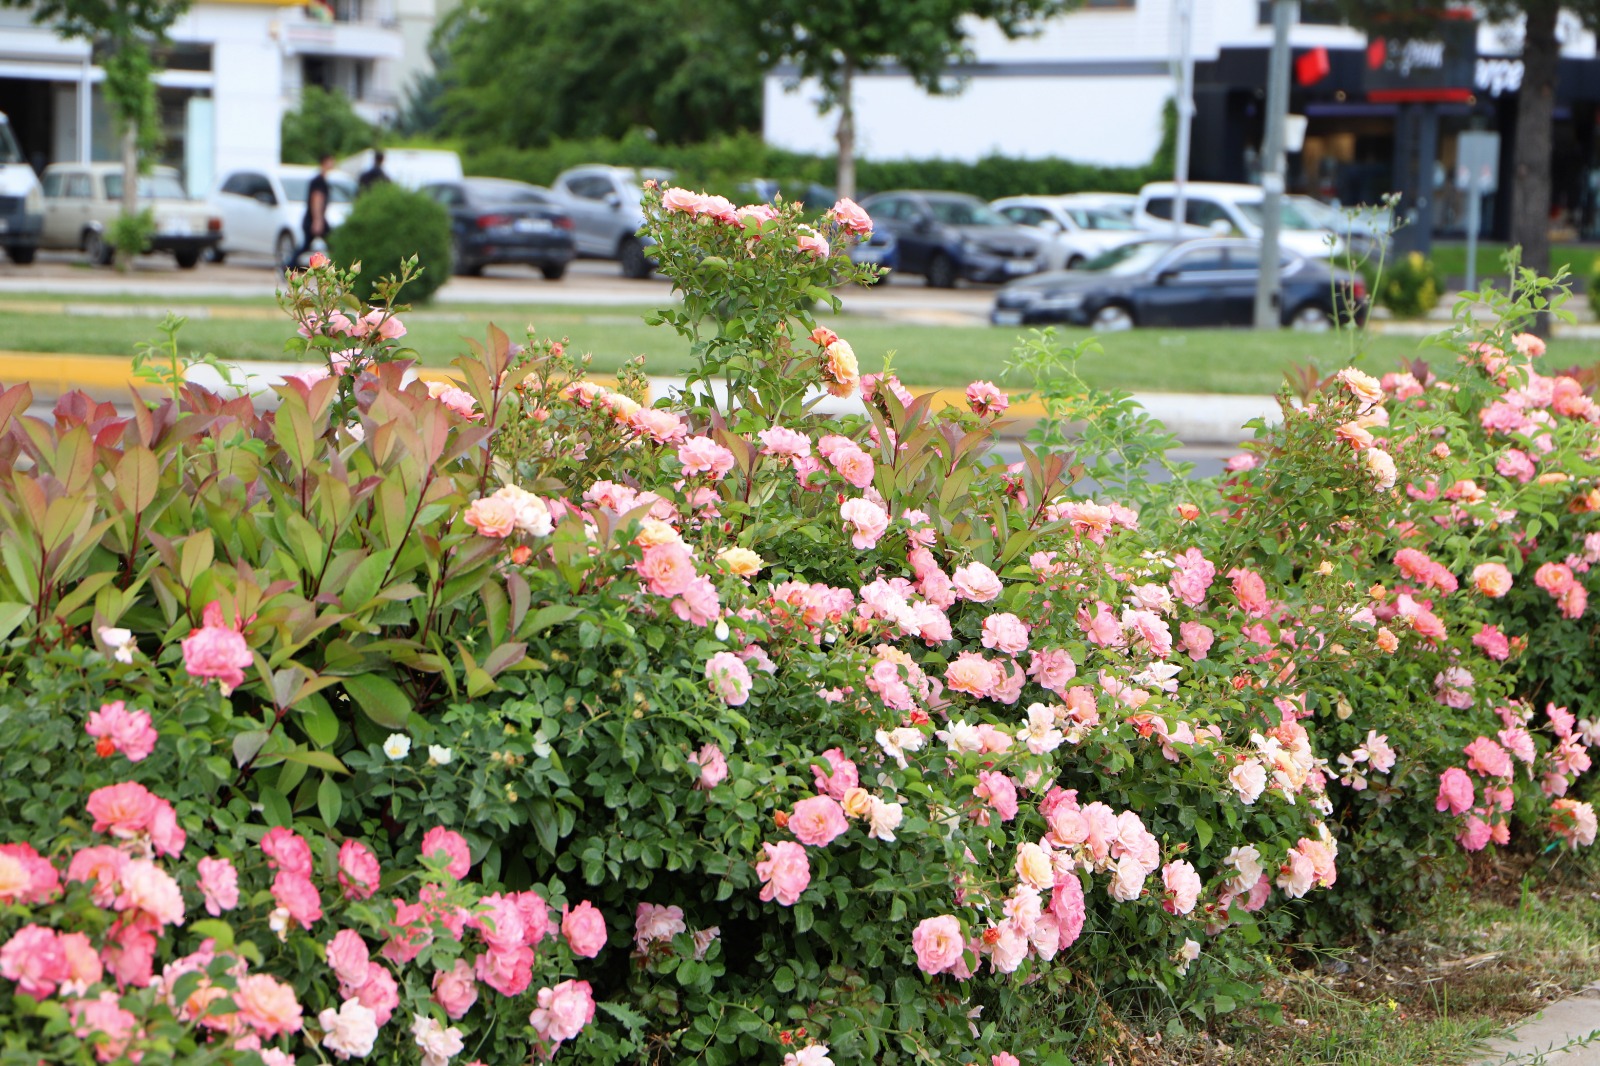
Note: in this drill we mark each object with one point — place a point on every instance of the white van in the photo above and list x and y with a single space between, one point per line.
411 168
1216 209
21 200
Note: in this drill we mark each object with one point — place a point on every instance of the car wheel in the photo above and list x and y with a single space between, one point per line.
216 255
553 271
941 272
460 263
635 264
187 260
1309 318
1075 262
1112 318
285 249
96 248
21 255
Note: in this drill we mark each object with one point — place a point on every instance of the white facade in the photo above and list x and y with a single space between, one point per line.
1090 87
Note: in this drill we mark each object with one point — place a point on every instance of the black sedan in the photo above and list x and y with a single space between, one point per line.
945 236
1199 283
497 221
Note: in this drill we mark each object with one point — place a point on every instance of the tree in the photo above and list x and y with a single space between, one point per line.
324 124
123 33
835 40
521 73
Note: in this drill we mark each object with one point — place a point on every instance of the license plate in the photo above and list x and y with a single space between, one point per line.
1019 266
531 225
1007 318
175 227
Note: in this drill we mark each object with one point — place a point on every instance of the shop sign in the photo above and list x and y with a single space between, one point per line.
1433 67
1498 76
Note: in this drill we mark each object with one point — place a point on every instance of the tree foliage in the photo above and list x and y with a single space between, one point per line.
96 19
523 72
324 124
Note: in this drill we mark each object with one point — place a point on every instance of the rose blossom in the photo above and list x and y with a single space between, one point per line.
452 846
1491 579
840 777
784 873
492 516
817 821
216 650
999 792
1005 632
350 1031
219 884
1455 791
938 943
439 1045
713 767
119 729
866 522
348 958
702 455
455 990
359 872
976 582
563 1011
1182 886
850 216
729 678
585 930
267 1005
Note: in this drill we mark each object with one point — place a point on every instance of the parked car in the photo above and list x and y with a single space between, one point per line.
83 200
1197 283
604 204
262 209
767 190
880 249
1214 208
411 168
497 221
1075 230
21 202
945 236
1365 227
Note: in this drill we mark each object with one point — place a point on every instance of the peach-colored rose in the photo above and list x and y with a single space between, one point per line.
972 673
492 516
682 201
740 561
267 1005
1491 579
839 368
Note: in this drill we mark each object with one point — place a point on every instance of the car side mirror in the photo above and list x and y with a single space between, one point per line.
266 197
613 201
1221 227
1050 225
1165 277
924 224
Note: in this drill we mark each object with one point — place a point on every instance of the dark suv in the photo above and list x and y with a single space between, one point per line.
945 236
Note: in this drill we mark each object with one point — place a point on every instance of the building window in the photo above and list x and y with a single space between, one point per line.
1312 13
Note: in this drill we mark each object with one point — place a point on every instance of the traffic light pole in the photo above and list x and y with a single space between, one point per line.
1285 13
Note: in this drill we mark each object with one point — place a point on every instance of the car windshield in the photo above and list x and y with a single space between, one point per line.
1128 259
1100 218
1289 216
9 152
151 187
965 213
340 190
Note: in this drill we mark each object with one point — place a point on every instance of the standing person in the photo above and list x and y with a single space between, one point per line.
315 223
373 174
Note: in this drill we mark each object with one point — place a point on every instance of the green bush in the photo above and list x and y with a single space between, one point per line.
723 163
1411 288
1592 286
387 226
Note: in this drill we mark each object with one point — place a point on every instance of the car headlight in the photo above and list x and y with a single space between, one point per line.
1062 301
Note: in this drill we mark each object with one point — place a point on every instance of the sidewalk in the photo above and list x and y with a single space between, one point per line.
1566 1033
1193 418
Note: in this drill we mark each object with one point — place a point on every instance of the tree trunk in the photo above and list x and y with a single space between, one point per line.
130 186
847 131
1530 195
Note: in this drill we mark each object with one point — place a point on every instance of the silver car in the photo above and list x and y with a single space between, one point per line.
604 204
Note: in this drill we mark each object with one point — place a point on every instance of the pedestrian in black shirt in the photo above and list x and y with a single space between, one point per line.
373 174
315 223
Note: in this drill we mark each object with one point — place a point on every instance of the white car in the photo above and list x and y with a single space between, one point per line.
1075 228
262 209
1213 209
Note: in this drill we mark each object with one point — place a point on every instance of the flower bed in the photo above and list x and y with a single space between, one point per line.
521 719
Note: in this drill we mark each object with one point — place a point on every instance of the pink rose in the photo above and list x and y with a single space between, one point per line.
702 455
507 972
1005 632
349 959
682 201
100 867
34 959
865 520
124 810
812 243
219 884
585 930
849 216
729 678
379 993
267 1005
104 1022
976 582
119 729
1486 757
359 873
840 777
938 943
1052 668
853 464
713 766
452 846
999 791
973 674
784 873
1182 886
666 569
652 922
28 877
1197 639
218 651
492 516
563 1011
455 990
1067 904
296 894
985 399
1455 791
287 850
1554 578
817 821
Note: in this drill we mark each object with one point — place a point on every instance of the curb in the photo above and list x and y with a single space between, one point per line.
1566 1033
1192 418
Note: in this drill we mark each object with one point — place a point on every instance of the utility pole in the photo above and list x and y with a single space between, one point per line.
1285 13
1185 106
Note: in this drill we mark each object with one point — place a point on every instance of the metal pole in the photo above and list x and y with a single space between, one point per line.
1285 13
1185 107
1473 206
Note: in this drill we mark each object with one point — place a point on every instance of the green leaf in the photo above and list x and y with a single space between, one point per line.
275 807
321 760
545 617
214 929
11 616
380 699
329 800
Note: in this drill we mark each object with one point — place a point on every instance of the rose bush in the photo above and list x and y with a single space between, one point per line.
619 730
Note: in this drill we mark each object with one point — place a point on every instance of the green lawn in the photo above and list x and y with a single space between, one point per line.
1450 258
1225 361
